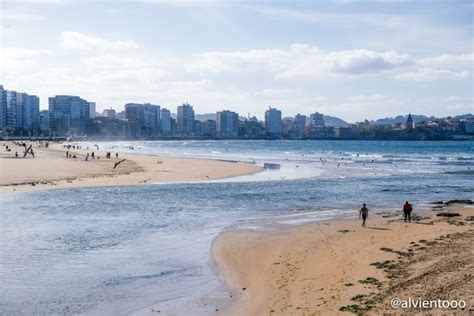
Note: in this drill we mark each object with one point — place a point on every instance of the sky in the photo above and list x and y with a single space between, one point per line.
352 59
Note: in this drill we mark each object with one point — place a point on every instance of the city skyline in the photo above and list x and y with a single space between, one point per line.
72 116
404 58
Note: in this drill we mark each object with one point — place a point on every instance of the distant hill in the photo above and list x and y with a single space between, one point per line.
334 121
464 116
400 119
416 118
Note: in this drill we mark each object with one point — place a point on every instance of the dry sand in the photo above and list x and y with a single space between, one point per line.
50 169
338 267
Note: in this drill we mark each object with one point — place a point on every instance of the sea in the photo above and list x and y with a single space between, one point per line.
120 250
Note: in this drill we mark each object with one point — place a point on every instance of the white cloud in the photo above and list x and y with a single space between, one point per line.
114 77
350 62
238 62
299 61
465 61
441 67
20 61
7 15
79 41
20 53
430 74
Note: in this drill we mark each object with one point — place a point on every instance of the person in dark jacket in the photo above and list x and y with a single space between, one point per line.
407 208
364 213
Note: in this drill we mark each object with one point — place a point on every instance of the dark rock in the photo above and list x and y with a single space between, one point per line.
459 202
448 214
355 309
456 223
437 202
358 297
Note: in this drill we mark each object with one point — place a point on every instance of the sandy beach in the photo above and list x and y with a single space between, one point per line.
338 267
50 169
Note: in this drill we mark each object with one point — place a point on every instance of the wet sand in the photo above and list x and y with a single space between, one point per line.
50 169
338 267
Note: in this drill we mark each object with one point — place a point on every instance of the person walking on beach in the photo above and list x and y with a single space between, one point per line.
407 208
364 212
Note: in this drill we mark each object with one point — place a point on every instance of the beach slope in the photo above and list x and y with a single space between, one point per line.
339 267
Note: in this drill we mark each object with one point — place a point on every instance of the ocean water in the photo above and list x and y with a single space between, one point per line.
116 250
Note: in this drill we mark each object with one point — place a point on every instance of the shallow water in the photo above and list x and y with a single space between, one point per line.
119 249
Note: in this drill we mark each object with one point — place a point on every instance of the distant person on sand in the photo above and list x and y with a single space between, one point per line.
407 208
364 212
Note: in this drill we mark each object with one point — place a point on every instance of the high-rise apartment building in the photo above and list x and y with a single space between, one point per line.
273 123
227 124
317 120
18 111
165 122
144 119
45 120
69 114
30 109
14 111
298 125
185 119
3 108
92 110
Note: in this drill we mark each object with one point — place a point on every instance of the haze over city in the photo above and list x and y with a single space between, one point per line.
405 57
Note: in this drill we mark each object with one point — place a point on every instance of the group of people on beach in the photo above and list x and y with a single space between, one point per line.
407 209
27 150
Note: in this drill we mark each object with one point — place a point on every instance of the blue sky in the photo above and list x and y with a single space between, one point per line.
352 59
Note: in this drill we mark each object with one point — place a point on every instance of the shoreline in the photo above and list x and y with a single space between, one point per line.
337 267
50 169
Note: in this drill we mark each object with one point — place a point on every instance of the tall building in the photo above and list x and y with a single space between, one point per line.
45 120
3 108
152 115
185 119
273 123
69 114
18 111
317 120
299 123
165 122
92 110
208 128
30 109
14 111
227 124
144 119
